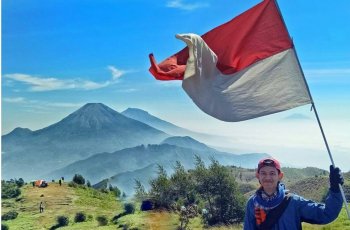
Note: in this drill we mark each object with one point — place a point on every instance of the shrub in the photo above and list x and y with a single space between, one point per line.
129 208
115 190
90 217
147 205
19 182
102 220
79 217
62 221
9 190
79 179
9 215
4 227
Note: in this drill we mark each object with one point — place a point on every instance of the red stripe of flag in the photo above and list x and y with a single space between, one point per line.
254 35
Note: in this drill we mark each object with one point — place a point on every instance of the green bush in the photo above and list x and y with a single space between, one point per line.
115 190
19 182
62 221
129 208
79 179
9 190
79 217
102 220
9 215
4 227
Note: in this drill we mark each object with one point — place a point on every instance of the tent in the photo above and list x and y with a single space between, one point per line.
41 183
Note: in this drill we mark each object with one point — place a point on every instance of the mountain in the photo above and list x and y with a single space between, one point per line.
128 164
94 128
167 127
126 181
145 117
187 142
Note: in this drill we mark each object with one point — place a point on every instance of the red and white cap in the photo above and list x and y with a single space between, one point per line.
269 162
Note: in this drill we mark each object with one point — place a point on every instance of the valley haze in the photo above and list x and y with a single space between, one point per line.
100 143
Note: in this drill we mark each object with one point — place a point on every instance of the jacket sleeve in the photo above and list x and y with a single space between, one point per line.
316 213
249 218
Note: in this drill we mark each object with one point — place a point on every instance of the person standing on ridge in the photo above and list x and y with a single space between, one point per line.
41 207
273 208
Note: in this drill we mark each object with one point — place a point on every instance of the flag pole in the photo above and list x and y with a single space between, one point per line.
316 114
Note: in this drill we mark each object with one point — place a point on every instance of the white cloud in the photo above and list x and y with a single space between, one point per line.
39 84
116 73
14 99
179 4
40 104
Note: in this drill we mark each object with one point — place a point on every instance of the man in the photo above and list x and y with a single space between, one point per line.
41 207
271 207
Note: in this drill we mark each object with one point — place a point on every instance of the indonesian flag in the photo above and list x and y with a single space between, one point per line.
243 69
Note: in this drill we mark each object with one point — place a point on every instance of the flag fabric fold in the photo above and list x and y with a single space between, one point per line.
243 69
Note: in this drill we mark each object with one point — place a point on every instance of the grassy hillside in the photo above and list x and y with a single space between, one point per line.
59 200
67 201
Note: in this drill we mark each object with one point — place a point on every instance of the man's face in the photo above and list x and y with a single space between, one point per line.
268 177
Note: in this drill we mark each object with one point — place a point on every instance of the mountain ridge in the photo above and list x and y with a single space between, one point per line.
92 129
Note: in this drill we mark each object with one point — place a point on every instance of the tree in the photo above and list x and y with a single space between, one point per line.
181 185
227 203
19 182
115 190
9 189
140 192
78 179
160 189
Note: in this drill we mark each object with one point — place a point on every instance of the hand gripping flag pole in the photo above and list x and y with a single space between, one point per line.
313 107
243 69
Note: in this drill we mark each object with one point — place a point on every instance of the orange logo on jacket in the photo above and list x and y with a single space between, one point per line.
260 215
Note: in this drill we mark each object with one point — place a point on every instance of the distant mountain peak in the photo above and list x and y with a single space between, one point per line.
135 110
94 115
138 114
20 131
186 142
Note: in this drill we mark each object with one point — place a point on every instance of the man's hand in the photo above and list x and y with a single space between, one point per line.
335 178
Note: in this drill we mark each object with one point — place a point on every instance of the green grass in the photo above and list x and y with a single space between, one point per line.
341 223
61 200
67 201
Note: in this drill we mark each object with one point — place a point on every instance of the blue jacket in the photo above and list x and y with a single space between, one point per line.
300 210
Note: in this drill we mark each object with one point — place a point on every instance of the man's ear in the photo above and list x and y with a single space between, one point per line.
257 176
280 176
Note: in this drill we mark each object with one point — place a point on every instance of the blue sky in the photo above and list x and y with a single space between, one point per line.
59 55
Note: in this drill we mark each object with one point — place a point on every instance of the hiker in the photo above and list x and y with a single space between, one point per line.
60 182
41 207
272 207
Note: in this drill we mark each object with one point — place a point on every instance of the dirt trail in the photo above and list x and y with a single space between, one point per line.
160 220
54 197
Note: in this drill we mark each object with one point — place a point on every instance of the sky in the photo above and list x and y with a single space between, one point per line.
59 55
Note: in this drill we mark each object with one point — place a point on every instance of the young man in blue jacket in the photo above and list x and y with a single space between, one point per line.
271 207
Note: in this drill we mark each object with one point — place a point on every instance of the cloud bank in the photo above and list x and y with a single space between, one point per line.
39 84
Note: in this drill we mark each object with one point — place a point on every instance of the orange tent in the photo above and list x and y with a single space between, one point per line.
40 183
